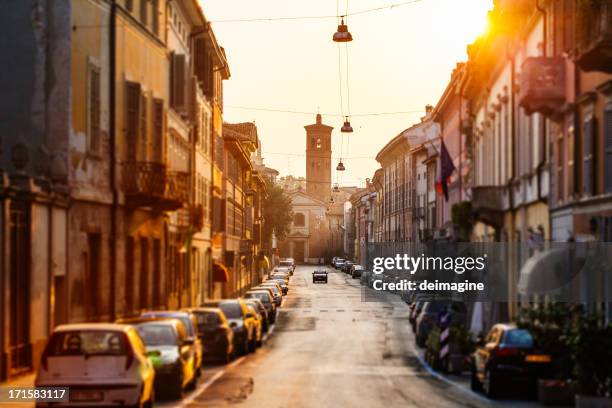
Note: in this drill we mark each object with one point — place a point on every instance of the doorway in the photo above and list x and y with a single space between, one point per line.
298 251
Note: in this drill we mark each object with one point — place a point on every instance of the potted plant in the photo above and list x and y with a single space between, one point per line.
591 345
550 324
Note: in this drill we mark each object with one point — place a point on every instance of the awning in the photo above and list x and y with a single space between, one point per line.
220 272
547 271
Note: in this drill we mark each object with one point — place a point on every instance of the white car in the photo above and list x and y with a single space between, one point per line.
103 364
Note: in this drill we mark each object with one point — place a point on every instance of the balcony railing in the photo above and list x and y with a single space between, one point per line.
594 39
150 184
542 85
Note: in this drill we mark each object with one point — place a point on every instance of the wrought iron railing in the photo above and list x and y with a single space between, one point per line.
153 181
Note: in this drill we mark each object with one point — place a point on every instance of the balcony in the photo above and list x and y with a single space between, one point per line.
489 204
594 36
542 85
149 184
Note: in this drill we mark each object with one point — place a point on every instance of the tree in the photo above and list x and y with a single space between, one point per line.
278 213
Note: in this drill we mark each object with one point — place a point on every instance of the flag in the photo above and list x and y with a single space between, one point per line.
447 167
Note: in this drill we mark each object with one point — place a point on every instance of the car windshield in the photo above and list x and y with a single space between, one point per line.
285 263
183 317
358 267
207 319
231 309
157 335
88 343
518 337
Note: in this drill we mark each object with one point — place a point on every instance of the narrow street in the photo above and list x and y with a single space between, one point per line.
330 349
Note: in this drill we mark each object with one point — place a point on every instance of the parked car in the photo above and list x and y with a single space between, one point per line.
276 276
346 266
171 351
333 261
364 279
428 318
338 263
282 269
191 324
258 317
288 263
356 271
267 298
319 275
276 293
283 285
272 283
102 363
507 357
261 309
242 322
215 333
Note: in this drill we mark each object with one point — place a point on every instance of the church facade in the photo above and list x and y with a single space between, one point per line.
310 235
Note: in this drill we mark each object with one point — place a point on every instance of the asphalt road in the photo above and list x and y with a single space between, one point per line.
331 349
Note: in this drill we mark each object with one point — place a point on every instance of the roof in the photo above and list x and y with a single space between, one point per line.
92 326
245 131
397 141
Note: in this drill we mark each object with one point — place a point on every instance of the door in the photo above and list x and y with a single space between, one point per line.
298 251
20 357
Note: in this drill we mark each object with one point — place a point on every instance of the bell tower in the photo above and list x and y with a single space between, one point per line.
318 160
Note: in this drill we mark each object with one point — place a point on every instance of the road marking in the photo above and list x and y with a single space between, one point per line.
440 377
186 401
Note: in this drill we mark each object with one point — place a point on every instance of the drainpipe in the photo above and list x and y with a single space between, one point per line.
543 124
113 156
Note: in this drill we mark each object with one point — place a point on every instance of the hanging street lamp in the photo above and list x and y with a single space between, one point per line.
346 128
340 166
336 189
343 34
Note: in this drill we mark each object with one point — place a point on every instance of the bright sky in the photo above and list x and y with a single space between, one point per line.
400 60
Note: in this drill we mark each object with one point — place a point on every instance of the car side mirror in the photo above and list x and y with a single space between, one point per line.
233 324
250 315
189 341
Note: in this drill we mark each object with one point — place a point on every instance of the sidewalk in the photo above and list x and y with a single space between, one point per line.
26 380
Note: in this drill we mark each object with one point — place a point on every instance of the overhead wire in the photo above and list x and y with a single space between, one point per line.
319 17
265 109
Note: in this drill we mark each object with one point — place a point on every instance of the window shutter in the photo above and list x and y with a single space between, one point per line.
94 110
179 70
158 130
132 104
608 149
587 156
143 140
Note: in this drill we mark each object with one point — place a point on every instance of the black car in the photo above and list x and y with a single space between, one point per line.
241 320
261 309
266 297
215 332
356 271
507 356
319 275
346 266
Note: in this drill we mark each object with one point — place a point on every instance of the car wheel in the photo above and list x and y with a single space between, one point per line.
491 385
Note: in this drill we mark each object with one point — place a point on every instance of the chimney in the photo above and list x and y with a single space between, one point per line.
428 109
318 118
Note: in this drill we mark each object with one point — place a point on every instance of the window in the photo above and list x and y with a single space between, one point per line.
299 220
132 105
608 149
570 160
93 111
144 11
178 81
158 129
143 141
560 164
94 246
588 161
155 16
